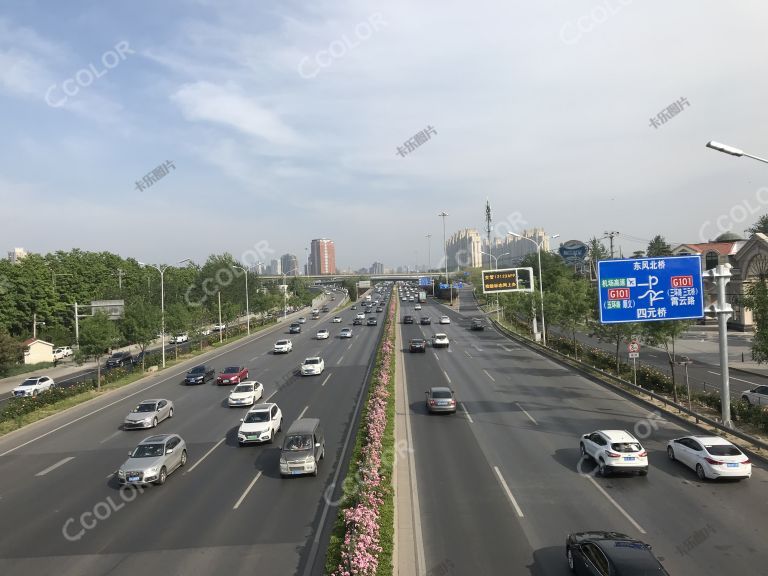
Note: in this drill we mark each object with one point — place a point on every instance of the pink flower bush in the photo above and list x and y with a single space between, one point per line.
360 549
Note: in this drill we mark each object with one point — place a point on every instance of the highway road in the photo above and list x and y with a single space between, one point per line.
500 483
227 511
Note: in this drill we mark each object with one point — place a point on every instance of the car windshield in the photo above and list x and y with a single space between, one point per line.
281 342
626 447
30 382
260 416
441 394
417 341
298 442
312 361
232 370
148 451
197 370
723 450
148 407
243 388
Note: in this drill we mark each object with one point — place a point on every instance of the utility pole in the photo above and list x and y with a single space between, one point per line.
221 328
120 278
488 229
429 252
721 275
445 255
610 235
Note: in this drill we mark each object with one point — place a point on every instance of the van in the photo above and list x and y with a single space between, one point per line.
303 448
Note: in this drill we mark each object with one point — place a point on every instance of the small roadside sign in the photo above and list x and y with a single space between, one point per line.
634 355
633 346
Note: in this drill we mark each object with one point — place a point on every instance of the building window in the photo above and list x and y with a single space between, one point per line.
711 260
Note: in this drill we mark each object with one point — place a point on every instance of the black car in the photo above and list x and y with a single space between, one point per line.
417 345
295 328
199 374
119 359
407 319
597 553
357 322
426 320
371 321
379 309
477 324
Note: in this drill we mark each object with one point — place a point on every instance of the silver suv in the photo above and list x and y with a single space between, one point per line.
153 459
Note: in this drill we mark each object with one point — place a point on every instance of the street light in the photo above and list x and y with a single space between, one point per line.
541 288
724 148
247 309
161 270
496 267
445 255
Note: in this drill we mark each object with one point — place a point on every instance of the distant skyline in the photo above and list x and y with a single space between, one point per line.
163 131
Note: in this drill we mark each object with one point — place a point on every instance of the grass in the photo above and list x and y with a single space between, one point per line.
17 369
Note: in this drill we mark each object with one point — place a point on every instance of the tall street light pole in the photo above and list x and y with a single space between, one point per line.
724 148
541 287
247 308
445 255
429 251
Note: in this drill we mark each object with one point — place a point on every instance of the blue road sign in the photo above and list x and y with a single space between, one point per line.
443 286
650 289
425 281
459 285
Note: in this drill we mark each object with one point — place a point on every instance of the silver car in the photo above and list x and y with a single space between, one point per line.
153 460
441 399
148 413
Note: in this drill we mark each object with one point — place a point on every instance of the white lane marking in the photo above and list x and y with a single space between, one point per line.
509 492
341 359
110 475
115 433
205 456
653 355
616 504
447 377
505 348
435 354
257 357
476 347
745 381
59 463
350 345
467 353
326 379
466 412
526 413
303 412
240 501
489 375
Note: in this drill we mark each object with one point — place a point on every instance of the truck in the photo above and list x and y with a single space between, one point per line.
422 296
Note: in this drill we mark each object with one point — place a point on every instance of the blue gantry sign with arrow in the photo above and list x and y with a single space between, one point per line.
650 289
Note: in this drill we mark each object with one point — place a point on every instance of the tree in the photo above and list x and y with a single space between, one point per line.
760 226
177 320
141 324
569 305
616 334
10 350
756 299
664 333
638 254
97 334
658 247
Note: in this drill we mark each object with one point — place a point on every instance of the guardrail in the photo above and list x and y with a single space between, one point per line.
625 385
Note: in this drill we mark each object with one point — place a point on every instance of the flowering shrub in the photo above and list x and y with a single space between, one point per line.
360 551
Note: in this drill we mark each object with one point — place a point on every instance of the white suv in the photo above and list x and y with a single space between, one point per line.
615 451
757 396
261 424
312 366
283 346
33 386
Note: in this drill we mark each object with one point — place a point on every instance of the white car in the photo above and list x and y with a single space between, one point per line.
615 451
312 366
710 456
336 320
440 340
417 307
205 332
246 393
62 352
261 424
283 346
323 334
179 338
302 320
360 315
345 333
33 386
445 320
757 396
219 327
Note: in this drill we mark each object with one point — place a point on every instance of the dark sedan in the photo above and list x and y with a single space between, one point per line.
426 320
199 374
371 321
417 345
597 553
477 324
407 319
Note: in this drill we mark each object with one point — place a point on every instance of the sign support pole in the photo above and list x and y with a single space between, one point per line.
722 275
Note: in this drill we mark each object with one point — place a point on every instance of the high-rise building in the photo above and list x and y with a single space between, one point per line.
16 254
510 250
289 265
275 267
377 268
322 257
464 249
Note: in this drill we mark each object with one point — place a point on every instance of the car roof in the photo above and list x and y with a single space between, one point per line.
618 435
312 358
441 335
304 426
157 439
262 407
712 440
440 389
153 400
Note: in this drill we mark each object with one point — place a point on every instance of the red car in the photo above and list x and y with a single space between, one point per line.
232 375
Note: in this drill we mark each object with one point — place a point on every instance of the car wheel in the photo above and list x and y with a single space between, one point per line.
602 468
154 422
746 400
280 426
322 454
170 413
670 453
183 458
314 472
583 451
241 444
571 565
700 472
271 437
163 476
643 472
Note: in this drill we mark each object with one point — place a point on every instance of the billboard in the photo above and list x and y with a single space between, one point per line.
650 289
112 308
508 280
364 284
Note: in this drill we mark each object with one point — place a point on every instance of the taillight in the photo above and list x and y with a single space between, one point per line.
746 461
643 454
713 461
612 454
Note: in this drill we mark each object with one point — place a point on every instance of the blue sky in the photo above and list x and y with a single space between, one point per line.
283 120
